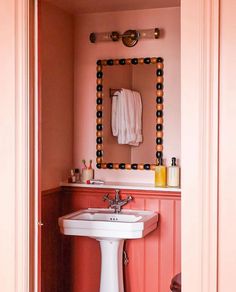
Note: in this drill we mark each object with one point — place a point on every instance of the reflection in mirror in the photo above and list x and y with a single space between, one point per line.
137 78
138 90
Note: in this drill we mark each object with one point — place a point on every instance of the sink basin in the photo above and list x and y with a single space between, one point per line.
107 216
104 223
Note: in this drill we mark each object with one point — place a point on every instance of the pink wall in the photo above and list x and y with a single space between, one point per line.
227 197
86 54
57 66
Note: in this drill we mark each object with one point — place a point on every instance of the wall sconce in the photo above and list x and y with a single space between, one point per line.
129 37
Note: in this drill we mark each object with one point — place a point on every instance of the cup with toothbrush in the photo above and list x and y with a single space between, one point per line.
87 171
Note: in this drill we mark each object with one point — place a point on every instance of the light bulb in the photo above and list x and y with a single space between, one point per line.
104 36
149 33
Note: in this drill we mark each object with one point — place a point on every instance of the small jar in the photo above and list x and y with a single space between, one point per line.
77 175
73 178
87 174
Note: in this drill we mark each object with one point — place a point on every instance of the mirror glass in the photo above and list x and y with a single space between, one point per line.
141 80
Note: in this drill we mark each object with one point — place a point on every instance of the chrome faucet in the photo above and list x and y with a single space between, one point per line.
117 203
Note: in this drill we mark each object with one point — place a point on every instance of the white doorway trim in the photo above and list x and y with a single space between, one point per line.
199 130
22 144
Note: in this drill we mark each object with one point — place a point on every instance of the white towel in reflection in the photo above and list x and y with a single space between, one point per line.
127 117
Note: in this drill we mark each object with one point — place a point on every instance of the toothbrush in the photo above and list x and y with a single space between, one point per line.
90 164
84 162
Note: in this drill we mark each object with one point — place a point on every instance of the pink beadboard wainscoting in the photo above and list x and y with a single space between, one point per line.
51 256
153 261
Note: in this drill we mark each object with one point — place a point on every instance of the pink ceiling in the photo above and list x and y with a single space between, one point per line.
91 6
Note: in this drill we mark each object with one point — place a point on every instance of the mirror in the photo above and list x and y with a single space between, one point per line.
139 80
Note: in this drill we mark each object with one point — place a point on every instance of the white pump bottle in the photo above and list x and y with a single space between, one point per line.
173 174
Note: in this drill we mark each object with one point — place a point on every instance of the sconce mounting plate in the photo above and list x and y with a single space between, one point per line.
130 38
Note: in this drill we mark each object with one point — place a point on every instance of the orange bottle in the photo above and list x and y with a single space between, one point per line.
160 175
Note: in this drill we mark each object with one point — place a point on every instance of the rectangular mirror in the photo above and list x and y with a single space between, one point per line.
136 86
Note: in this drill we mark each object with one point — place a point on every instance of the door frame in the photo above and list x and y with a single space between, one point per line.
199 142
199 56
17 170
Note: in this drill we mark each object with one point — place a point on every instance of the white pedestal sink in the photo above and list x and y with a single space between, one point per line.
110 229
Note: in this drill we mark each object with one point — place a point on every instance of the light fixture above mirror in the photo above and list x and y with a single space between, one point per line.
129 38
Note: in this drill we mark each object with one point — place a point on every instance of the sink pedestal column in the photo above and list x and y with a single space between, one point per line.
112 265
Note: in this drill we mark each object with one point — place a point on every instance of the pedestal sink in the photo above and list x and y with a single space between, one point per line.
110 229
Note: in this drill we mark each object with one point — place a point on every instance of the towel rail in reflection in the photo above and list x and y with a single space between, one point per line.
113 91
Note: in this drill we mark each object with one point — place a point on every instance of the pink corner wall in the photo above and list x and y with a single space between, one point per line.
86 54
57 87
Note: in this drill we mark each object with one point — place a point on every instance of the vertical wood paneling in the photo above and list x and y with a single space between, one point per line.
86 265
177 239
153 261
51 242
135 269
166 239
85 252
135 250
152 269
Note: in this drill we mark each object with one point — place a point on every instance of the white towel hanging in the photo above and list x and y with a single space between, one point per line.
127 117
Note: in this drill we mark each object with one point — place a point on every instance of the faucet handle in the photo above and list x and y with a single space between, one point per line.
106 197
117 195
129 198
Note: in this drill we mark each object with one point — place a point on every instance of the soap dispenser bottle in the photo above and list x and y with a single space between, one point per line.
173 174
160 174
